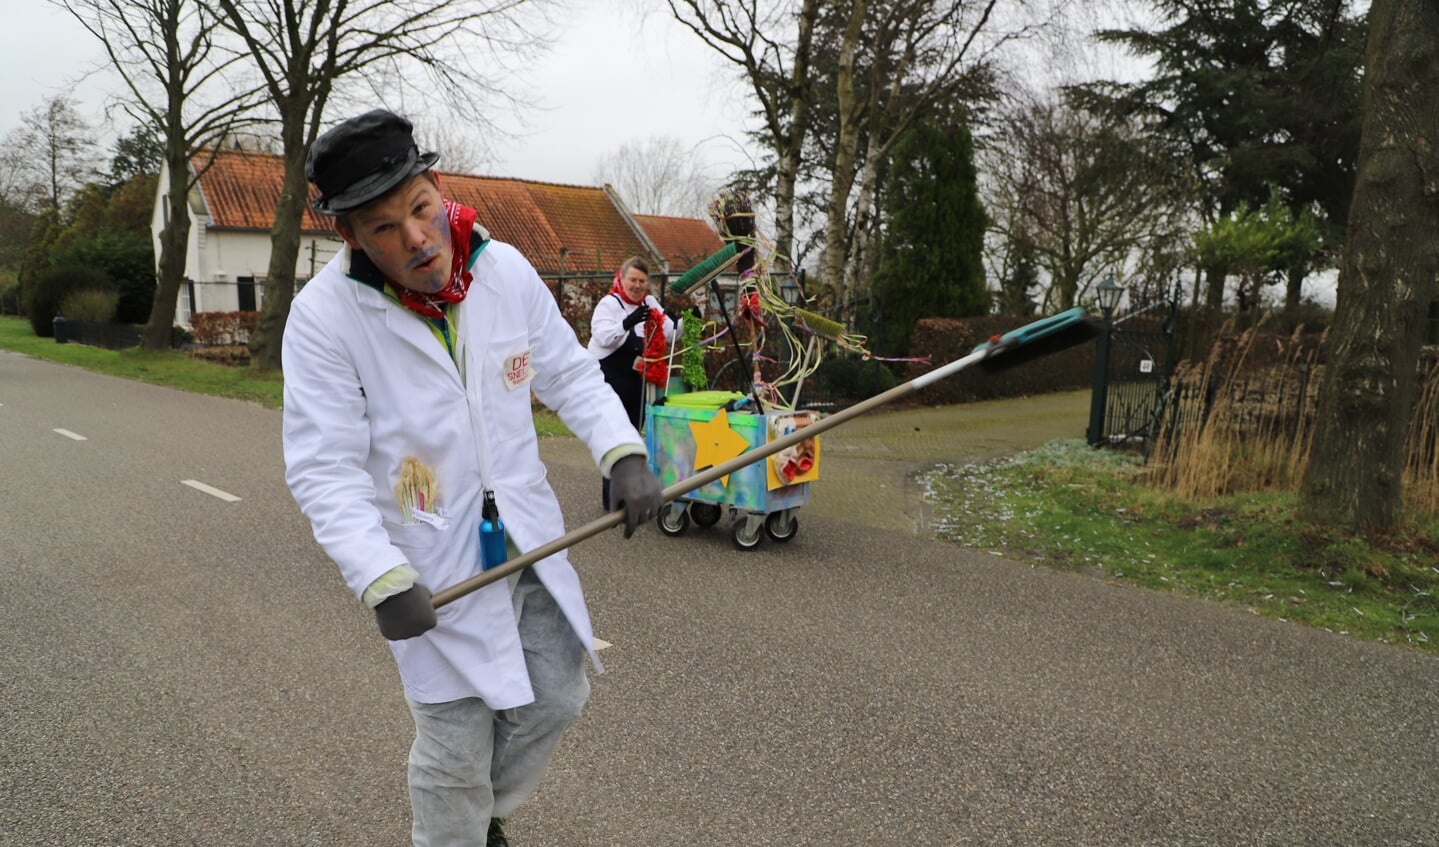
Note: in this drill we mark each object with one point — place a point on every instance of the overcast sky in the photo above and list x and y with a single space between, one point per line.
606 67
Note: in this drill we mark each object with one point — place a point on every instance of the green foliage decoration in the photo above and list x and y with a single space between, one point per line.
693 360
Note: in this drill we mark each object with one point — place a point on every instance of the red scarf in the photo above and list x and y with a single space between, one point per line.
652 362
462 223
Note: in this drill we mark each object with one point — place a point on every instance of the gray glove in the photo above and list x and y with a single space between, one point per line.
636 490
633 319
407 614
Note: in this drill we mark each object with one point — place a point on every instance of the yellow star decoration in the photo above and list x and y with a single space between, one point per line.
716 443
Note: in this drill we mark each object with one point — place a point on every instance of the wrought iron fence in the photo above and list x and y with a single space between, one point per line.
1141 364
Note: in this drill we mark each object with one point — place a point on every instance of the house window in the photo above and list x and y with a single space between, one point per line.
187 302
245 291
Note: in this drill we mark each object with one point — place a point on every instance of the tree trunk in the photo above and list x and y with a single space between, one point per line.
284 253
1294 287
856 271
1391 259
842 173
790 149
1214 277
174 241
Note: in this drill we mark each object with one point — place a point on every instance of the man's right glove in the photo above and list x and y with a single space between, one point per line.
407 614
636 490
635 318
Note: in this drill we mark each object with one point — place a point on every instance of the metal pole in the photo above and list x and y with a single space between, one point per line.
701 479
1099 395
744 360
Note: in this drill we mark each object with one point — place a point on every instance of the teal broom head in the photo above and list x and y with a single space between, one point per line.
1041 338
685 284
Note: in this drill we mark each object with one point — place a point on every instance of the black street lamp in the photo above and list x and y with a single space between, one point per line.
1108 294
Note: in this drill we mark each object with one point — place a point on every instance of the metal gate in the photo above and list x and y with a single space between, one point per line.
1141 362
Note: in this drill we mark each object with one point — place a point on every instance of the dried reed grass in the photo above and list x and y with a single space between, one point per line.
1239 428
1421 450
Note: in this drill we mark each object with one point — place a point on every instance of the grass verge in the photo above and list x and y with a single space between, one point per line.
169 368
1068 506
176 370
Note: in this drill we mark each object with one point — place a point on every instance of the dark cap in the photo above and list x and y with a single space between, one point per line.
362 159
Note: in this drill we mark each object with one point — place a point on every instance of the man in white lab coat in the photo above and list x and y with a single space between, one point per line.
409 361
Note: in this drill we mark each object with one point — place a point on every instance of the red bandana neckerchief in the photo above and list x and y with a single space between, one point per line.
432 305
652 363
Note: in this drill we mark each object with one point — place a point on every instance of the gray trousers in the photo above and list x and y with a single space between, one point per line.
470 763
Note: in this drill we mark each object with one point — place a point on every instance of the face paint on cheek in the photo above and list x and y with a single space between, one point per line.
439 275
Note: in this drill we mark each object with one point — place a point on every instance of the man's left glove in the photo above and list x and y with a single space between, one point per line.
407 614
636 490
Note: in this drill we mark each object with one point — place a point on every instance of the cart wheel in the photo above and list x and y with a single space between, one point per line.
781 526
705 514
673 520
746 533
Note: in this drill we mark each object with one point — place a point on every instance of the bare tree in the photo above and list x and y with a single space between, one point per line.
777 69
895 62
1086 195
304 49
1391 261
54 146
657 176
458 150
166 54
20 190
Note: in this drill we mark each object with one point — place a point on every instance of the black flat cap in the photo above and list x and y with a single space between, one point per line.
362 159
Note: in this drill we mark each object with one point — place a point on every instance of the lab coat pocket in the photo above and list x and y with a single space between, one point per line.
418 541
509 362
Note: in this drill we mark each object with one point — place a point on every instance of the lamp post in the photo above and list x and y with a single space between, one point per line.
1108 294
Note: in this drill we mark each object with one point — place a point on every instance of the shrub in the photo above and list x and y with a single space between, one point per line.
853 378
223 328
129 260
50 288
10 297
90 304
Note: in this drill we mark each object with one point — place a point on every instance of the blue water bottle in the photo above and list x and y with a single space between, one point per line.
493 550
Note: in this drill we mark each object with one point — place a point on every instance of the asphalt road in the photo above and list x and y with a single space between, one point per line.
178 669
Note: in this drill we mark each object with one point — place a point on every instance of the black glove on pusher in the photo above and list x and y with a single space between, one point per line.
407 614
636 490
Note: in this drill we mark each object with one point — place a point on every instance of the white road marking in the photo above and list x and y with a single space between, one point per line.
68 434
601 644
213 492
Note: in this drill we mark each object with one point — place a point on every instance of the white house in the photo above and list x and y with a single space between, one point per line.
228 251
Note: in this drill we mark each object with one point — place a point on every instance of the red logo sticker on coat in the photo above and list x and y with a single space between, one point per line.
517 371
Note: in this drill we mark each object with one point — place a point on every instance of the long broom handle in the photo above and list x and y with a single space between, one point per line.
595 527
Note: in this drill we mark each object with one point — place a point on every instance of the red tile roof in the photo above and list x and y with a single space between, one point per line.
241 189
684 241
545 221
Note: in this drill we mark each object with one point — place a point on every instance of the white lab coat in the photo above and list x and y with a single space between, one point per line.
367 384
